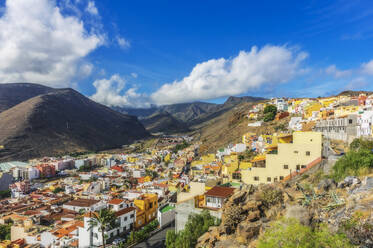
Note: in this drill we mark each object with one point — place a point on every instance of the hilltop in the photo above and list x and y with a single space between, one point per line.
60 121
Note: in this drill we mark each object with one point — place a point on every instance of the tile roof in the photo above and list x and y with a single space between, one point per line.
124 211
116 201
82 202
222 192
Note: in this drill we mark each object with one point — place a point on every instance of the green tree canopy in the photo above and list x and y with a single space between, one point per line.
103 219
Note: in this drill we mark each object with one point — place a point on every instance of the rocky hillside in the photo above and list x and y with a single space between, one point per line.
63 121
13 94
345 208
163 121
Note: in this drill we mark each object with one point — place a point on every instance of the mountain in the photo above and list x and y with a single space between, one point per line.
163 121
63 121
13 94
190 114
354 93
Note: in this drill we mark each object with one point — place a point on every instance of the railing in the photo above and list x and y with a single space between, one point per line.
301 171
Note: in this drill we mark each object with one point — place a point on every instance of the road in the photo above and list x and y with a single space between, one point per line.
155 241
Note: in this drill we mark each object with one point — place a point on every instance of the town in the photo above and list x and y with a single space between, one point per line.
155 185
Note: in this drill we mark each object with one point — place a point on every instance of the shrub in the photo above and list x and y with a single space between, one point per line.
271 196
196 225
269 112
289 233
355 162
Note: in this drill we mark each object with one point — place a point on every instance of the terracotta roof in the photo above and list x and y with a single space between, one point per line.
124 211
82 202
116 201
222 192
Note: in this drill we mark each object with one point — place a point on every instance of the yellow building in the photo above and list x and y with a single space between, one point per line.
310 108
290 157
345 110
147 206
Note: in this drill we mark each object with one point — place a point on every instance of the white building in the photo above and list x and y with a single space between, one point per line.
365 121
86 205
295 123
166 215
91 236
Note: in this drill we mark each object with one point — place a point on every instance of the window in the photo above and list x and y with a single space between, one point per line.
308 153
286 166
275 179
151 205
268 179
298 167
281 178
132 216
256 178
303 166
295 151
121 205
350 121
125 218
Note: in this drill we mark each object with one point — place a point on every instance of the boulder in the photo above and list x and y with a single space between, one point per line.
247 231
327 184
300 213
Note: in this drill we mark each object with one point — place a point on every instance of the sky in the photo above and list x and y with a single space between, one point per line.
139 53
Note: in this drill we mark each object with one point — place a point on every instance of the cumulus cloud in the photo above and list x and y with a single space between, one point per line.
367 68
332 70
123 43
110 92
223 77
134 75
40 45
91 8
85 70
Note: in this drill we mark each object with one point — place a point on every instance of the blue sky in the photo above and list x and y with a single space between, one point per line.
136 53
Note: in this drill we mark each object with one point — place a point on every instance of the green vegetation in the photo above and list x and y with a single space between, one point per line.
5 193
143 234
289 233
104 219
197 225
181 146
269 112
58 190
357 162
5 232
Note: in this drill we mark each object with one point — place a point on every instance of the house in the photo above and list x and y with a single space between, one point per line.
46 170
215 197
85 205
166 215
295 123
147 205
91 236
305 148
343 128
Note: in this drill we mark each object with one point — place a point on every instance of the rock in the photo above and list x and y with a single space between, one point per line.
365 187
351 180
253 216
300 213
247 231
238 197
327 184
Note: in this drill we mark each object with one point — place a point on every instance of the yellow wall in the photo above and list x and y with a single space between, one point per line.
291 154
316 106
148 204
345 110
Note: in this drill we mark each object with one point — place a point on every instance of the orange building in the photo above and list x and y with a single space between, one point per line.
147 206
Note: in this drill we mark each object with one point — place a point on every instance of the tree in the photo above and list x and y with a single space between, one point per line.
269 112
104 220
196 225
289 233
58 190
5 232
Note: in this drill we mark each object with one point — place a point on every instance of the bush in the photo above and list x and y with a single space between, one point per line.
58 190
5 193
197 225
5 232
269 112
355 162
289 233
271 196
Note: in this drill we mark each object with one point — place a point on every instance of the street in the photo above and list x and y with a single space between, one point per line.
156 241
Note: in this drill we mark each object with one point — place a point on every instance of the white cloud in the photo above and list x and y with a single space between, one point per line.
91 8
332 70
367 68
358 83
134 75
123 43
223 77
109 92
85 70
40 45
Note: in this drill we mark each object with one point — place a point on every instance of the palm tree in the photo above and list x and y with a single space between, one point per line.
104 220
